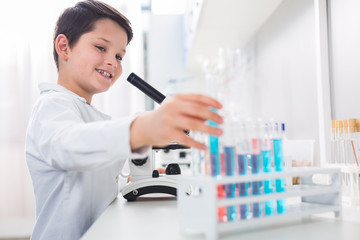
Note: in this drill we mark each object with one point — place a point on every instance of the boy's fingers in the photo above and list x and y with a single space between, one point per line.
188 141
205 100
203 114
197 125
198 111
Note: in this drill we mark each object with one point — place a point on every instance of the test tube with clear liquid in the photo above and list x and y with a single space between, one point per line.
340 142
199 158
351 142
357 138
353 159
347 155
333 143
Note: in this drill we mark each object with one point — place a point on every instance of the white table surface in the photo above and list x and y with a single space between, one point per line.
157 218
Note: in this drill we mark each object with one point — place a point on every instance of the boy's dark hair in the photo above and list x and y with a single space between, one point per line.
80 19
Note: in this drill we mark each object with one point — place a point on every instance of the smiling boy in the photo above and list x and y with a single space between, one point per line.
94 63
74 152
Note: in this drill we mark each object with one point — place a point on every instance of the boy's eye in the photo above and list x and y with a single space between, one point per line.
100 48
118 57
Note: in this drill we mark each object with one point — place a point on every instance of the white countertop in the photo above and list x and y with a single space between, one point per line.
157 218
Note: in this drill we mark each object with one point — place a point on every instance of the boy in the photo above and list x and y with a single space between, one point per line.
74 152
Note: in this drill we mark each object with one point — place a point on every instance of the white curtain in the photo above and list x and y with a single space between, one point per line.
25 60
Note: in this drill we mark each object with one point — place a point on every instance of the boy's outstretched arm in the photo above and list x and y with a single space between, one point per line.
167 123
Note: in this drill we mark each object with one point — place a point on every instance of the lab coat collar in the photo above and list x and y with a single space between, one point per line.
46 87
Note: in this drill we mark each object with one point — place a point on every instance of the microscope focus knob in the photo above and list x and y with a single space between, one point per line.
155 174
139 161
173 169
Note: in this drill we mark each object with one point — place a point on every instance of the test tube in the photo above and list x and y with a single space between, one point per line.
214 156
242 158
333 142
214 152
340 142
254 150
338 136
346 141
357 139
279 167
214 147
352 142
229 164
267 167
198 156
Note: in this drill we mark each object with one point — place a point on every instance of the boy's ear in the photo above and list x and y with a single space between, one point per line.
62 46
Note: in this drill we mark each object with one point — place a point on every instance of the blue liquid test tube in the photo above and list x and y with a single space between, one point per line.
279 167
267 168
212 86
214 152
229 160
253 150
243 187
268 184
242 161
216 167
256 185
229 165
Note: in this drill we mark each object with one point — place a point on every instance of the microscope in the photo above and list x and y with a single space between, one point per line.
145 178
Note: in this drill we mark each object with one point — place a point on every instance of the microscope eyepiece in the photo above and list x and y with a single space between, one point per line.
146 88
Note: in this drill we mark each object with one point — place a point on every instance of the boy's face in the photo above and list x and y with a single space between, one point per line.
94 62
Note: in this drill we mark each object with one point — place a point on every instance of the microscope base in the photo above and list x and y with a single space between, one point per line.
155 185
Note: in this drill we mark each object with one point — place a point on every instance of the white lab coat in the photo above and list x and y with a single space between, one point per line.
74 154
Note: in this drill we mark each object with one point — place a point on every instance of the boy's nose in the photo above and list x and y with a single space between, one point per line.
111 61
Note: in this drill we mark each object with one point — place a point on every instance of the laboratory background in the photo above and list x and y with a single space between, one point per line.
293 62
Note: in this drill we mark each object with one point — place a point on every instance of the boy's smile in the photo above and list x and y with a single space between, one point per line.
93 64
104 73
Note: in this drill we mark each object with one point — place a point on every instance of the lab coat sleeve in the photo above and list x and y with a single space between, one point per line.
122 182
66 142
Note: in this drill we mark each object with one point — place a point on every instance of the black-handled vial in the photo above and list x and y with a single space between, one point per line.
146 88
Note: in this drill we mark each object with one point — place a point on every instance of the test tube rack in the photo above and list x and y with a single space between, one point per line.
198 201
350 183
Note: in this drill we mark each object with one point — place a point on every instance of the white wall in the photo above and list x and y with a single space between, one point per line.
345 58
165 49
286 70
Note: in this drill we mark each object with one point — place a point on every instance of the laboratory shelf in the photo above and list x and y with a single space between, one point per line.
239 22
198 200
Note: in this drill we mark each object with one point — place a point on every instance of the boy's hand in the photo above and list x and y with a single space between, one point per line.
167 123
